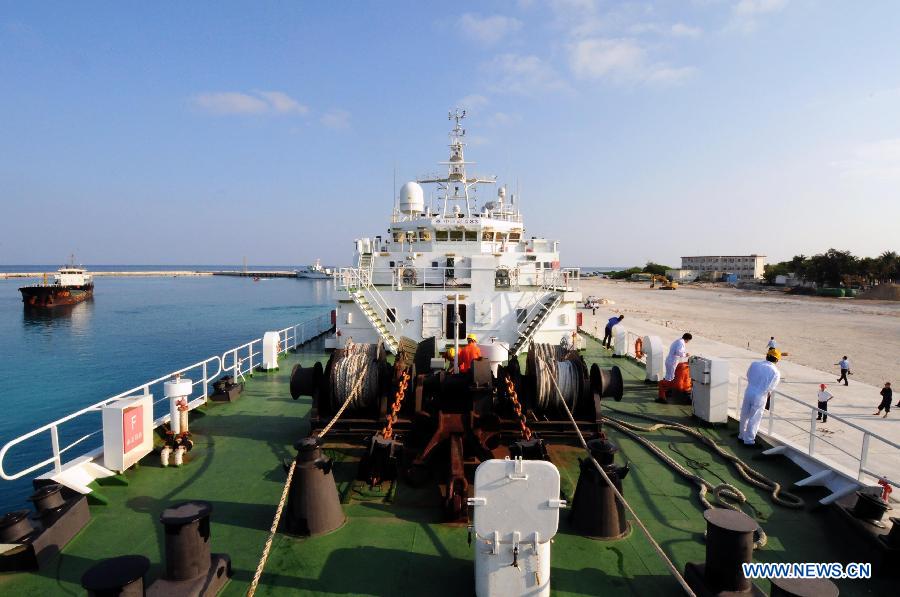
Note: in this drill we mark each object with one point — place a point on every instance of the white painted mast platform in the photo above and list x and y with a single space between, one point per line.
854 452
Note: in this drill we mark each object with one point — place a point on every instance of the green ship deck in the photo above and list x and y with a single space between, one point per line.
402 547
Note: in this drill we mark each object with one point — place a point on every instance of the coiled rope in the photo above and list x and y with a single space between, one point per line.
549 364
659 550
348 371
251 590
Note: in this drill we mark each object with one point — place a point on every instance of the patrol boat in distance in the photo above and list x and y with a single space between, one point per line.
450 269
71 285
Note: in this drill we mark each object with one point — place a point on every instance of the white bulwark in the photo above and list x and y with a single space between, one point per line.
747 267
449 267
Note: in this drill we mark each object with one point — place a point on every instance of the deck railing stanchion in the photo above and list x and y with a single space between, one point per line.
54 442
812 430
205 382
771 412
863 455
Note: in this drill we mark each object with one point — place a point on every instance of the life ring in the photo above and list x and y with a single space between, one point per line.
639 348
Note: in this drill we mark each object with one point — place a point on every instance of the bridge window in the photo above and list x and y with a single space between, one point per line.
471 235
441 235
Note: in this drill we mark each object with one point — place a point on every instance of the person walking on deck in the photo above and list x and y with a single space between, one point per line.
823 397
772 343
677 351
886 395
762 379
844 364
607 333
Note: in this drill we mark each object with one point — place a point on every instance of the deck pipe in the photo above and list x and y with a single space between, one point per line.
187 539
596 512
729 545
803 587
122 576
313 506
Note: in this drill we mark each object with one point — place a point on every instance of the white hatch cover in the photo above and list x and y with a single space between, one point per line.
432 320
516 496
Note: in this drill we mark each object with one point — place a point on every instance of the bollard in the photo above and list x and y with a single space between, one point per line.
191 569
729 544
596 513
187 539
116 577
15 526
313 506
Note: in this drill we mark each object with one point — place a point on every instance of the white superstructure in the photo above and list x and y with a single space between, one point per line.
71 275
448 257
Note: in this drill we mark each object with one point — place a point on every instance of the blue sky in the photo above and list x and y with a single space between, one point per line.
173 132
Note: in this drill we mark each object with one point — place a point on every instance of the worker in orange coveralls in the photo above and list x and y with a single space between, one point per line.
468 353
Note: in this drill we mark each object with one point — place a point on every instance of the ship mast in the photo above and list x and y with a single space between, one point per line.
456 185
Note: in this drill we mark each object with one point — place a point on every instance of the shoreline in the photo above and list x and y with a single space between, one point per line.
815 331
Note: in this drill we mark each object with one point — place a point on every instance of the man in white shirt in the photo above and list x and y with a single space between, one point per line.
823 397
677 351
762 379
772 343
845 370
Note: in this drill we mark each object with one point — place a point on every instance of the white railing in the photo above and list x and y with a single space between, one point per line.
535 311
797 429
242 363
354 279
408 277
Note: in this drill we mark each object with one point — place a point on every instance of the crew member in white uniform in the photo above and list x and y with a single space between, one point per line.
677 351
762 379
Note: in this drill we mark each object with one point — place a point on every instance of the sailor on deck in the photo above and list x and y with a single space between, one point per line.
677 351
468 354
762 379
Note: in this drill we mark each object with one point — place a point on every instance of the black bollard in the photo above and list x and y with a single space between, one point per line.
596 512
47 499
729 544
15 526
187 539
116 577
869 507
803 587
314 506
191 569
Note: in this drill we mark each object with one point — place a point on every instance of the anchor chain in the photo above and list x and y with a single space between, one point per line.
388 430
517 406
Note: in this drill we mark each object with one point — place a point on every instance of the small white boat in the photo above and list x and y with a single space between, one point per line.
315 271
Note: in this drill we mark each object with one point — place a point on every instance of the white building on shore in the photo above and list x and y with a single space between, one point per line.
746 267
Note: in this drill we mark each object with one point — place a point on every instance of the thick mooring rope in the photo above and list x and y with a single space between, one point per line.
287 486
659 550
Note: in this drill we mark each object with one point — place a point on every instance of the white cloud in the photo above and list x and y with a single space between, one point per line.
488 30
282 102
473 101
259 102
745 13
503 119
336 119
621 60
229 102
525 75
878 159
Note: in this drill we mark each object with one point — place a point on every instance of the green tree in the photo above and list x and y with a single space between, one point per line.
656 268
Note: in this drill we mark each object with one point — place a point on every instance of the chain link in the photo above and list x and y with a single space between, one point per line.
517 406
388 430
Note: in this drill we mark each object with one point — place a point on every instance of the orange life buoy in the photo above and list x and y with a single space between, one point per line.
639 348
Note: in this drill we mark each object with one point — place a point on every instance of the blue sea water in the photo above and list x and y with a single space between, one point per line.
133 331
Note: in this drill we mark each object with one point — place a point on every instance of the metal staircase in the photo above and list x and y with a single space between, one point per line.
535 319
377 313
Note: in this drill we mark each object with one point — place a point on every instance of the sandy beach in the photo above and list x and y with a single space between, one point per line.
816 332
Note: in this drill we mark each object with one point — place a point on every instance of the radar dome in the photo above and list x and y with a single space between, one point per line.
412 198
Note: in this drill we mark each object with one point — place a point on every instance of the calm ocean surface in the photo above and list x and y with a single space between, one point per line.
134 330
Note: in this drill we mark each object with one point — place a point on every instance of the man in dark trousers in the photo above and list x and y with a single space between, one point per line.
886 395
607 334
845 370
823 397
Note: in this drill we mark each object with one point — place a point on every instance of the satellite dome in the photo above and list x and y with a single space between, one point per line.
412 198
